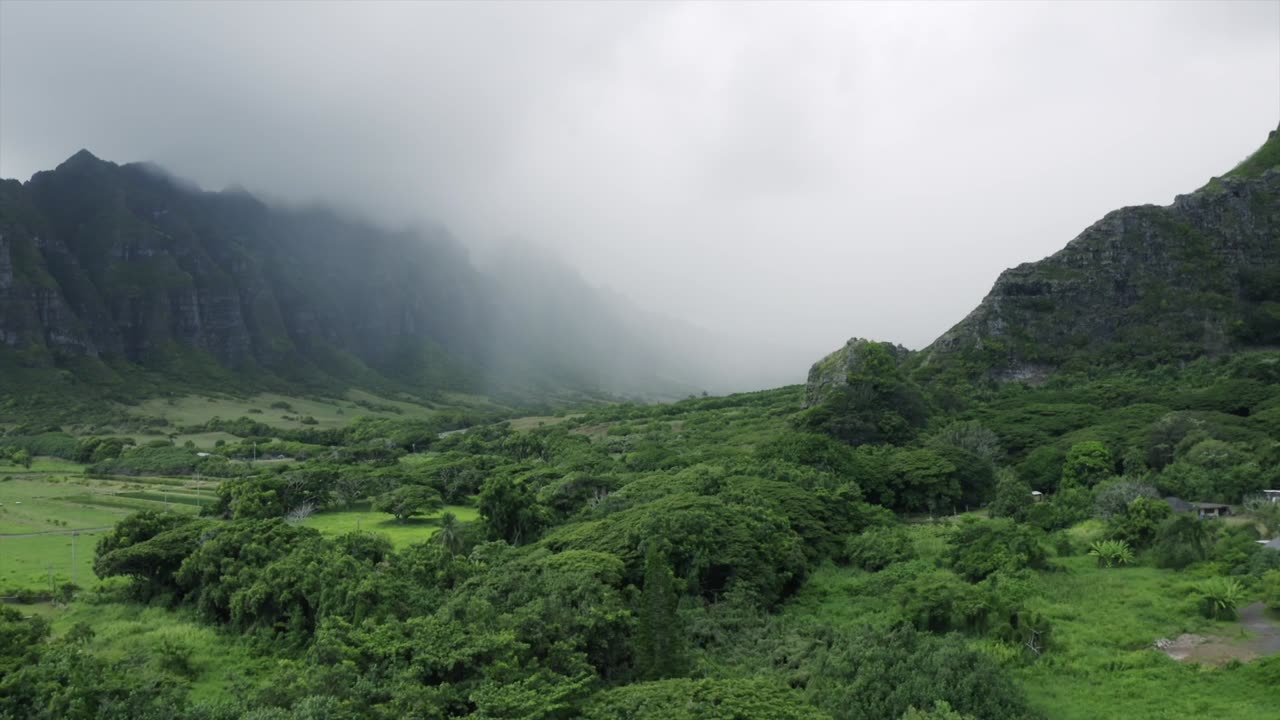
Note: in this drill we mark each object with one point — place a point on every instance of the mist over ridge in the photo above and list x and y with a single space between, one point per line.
783 176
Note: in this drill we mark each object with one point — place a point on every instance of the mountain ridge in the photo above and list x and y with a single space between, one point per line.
1143 284
106 269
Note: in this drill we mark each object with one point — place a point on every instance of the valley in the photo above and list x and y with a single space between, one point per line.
311 452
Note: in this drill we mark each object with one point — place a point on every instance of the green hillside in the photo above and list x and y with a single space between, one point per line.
1056 512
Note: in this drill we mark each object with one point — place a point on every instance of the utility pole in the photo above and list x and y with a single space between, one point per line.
74 535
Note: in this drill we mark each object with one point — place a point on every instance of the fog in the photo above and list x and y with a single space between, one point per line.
796 174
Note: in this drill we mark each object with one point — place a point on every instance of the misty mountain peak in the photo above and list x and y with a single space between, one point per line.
82 159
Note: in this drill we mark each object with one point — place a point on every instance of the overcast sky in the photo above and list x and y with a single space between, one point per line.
802 172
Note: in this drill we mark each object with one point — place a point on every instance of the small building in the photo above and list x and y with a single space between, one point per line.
1037 496
1270 544
1271 495
1211 510
1178 504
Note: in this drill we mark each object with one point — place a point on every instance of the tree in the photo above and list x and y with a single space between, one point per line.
510 509
1013 496
878 547
450 534
408 500
23 458
659 645
1271 589
1180 541
1140 521
969 435
982 547
1265 512
941 711
1112 498
1087 464
681 699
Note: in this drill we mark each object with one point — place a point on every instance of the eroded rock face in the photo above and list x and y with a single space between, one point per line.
1200 276
125 262
832 371
1189 279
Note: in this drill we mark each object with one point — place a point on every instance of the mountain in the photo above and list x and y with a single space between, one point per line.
111 271
1142 286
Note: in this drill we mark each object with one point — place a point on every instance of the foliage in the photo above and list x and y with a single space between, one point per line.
1220 596
1112 498
408 500
659 644
1181 541
730 699
883 674
1139 523
878 547
1111 553
1013 497
979 548
1087 464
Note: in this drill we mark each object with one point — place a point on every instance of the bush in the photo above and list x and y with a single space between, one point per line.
980 548
879 547
1219 597
1271 588
1111 553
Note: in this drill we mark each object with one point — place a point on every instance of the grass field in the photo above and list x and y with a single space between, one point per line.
1103 664
40 512
340 522
41 465
40 561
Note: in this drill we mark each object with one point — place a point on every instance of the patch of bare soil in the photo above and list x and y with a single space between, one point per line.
1260 637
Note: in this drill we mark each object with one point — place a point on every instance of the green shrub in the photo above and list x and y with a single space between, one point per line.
1219 597
1111 553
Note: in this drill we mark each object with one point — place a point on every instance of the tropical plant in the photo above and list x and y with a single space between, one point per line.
1220 596
1111 553
450 534
1271 589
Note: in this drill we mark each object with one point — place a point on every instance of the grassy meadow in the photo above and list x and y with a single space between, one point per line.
1102 662
413 530
42 514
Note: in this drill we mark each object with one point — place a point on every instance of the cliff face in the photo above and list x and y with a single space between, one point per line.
1143 284
1200 276
125 263
832 372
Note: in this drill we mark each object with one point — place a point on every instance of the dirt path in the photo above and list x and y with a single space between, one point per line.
1263 640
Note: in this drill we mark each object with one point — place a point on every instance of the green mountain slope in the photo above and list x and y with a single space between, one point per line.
1144 284
125 276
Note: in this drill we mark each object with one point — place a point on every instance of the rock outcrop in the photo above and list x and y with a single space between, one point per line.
832 371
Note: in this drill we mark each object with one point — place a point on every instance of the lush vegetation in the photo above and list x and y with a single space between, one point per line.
719 557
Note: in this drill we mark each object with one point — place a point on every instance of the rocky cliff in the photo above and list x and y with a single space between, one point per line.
126 264
1143 284
107 268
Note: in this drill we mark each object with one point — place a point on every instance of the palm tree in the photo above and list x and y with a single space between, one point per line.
450 534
